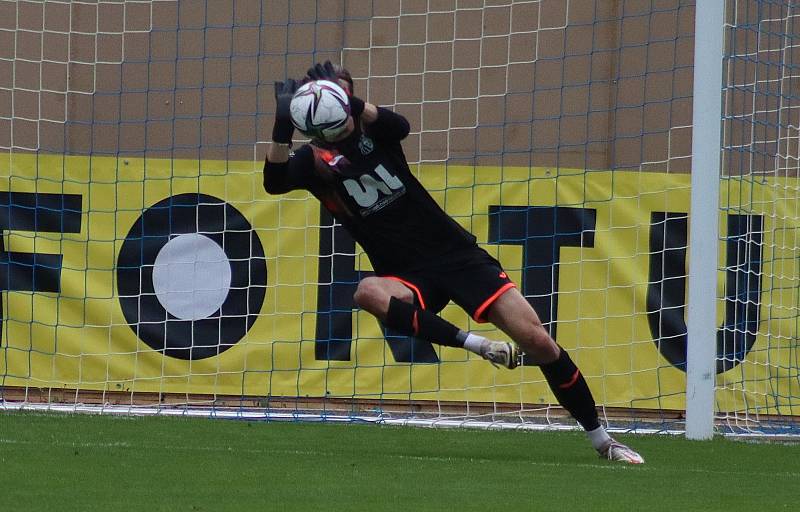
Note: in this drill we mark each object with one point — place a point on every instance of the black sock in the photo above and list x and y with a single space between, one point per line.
571 390
410 320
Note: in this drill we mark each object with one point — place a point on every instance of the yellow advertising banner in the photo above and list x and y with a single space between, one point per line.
184 276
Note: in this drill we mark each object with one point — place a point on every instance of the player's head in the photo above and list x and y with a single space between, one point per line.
345 78
320 109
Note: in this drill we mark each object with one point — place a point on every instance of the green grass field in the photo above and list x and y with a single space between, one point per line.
82 463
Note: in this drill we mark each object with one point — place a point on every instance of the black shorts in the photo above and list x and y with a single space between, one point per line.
471 279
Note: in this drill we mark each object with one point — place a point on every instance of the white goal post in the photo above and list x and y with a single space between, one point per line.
701 319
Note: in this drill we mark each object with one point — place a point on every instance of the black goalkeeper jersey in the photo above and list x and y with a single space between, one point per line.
365 182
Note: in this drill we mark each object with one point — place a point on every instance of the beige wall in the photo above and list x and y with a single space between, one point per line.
579 83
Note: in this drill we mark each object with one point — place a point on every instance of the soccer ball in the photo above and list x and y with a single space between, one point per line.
320 110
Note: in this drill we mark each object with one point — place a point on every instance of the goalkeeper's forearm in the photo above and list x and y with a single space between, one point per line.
278 152
276 167
390 125
370 113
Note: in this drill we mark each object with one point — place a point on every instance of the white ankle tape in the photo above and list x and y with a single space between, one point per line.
475 343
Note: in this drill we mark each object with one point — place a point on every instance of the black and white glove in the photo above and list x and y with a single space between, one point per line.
327 71
283 129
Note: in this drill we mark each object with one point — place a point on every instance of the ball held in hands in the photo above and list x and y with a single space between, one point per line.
320 110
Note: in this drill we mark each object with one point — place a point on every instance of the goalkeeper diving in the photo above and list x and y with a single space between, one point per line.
355 166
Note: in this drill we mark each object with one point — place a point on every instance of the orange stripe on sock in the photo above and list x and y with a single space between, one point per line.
572 381
415 323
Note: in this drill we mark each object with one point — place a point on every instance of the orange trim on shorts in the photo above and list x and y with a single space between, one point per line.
478 316
411 286
571 381
415 322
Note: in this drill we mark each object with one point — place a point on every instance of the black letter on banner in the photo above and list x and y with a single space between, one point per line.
41 213
338 281
542 231
666 295
666 290
184 338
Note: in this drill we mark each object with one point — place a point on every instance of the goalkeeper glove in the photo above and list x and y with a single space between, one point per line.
333 73
283 129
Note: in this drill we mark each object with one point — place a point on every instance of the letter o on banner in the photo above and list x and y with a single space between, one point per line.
191 276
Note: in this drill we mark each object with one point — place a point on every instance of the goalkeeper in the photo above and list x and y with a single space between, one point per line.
422 258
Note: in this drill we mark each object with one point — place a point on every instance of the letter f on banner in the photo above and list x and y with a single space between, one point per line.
42 213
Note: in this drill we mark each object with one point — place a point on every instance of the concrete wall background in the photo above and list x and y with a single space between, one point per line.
581 83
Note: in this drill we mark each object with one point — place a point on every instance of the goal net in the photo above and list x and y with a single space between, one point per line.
758 362
145 269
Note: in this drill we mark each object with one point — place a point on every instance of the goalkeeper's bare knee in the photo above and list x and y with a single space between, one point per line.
374 293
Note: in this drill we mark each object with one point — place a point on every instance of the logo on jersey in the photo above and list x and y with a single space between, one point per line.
365 145
333 162
373 195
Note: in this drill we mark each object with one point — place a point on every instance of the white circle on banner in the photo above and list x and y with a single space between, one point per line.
191 276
